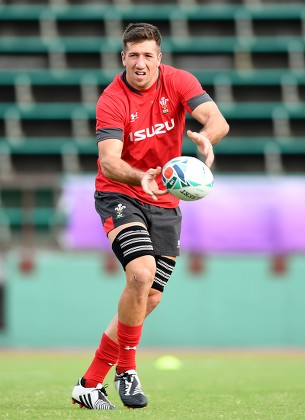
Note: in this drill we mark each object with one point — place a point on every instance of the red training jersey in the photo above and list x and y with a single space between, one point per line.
150 123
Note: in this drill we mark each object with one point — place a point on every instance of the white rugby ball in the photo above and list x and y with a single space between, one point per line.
187 178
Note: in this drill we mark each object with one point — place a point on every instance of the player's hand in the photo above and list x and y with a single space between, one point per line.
204 146
150 185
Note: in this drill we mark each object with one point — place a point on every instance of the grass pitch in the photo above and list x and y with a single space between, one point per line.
209 385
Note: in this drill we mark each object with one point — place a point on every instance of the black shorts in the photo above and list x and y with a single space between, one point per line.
163 224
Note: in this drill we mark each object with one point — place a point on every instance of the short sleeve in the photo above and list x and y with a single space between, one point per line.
110 113
190 90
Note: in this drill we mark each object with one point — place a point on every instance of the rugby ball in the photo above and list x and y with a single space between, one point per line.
187 178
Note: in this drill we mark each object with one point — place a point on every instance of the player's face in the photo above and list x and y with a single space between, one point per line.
141 61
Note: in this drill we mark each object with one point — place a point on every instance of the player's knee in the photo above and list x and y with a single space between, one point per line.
140 276
153 300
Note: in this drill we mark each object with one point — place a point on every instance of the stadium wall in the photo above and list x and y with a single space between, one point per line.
237 301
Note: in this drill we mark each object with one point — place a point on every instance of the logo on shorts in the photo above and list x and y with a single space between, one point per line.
119 211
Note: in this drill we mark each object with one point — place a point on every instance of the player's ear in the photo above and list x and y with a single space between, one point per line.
159 58
123 57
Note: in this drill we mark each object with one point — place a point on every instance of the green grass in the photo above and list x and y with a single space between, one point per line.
220 385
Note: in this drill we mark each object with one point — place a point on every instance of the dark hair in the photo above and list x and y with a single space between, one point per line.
139 32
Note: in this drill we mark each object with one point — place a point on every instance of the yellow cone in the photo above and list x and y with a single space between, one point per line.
168 362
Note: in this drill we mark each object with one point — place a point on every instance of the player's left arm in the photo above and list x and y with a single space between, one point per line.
215 127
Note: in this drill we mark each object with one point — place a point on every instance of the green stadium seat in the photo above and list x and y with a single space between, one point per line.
162 12
105 76
83 112
175 45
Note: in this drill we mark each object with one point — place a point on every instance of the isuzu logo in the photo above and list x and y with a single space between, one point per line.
159 128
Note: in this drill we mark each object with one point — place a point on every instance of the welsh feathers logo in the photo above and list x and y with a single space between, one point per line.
119 211
163 103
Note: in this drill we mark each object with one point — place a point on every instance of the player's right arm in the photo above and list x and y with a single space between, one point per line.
116 169
113 166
